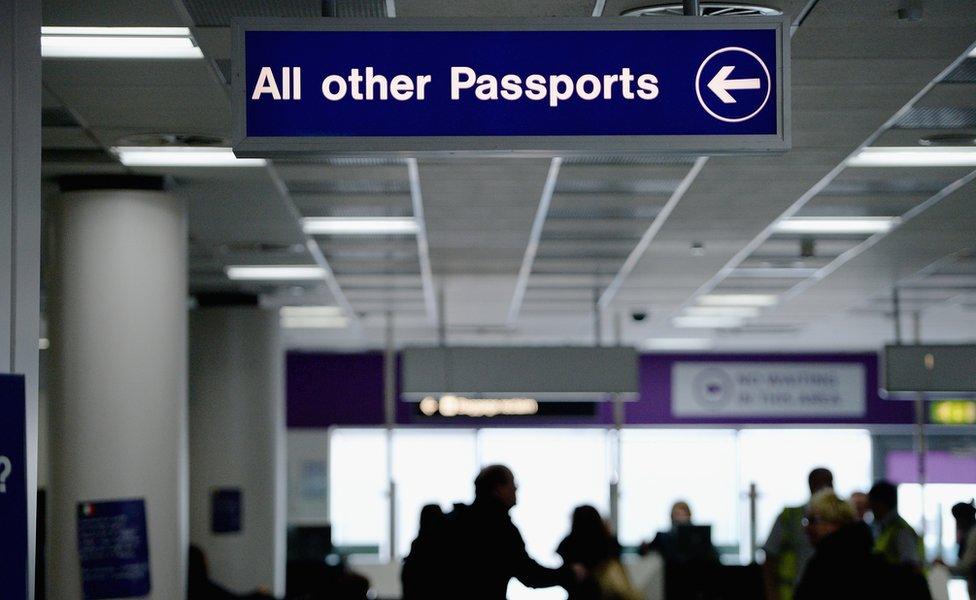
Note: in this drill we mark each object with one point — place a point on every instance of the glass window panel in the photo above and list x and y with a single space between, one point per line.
358 488
556 470
431 467
940 525
779 460
661 466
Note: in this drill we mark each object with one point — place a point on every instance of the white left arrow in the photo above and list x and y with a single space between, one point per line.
721 84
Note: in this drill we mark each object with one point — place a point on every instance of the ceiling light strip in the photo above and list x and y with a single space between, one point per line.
818 187
391 9
535 235
313 248
423 248
656 225
598 7
852 253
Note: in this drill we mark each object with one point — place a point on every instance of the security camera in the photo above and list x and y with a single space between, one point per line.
638 315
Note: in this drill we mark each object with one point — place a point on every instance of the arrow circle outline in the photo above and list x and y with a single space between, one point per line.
769 84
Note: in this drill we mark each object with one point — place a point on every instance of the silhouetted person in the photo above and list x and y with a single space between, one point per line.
422 568
861 505
593 551
486 550
671 548
894 538
843 566
965 514
200 587
787 547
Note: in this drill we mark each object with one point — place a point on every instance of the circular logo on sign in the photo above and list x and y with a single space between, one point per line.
733 84
713 388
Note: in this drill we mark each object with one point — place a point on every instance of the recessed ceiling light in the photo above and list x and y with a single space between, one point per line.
182 156
773 272
311 311
275 273
914 156
722 311
715 322
359 225
678 344
836 225
322 322
737 300
972 53
43 344
118 42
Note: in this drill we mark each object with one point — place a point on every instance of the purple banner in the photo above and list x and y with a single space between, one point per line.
325 389
901 466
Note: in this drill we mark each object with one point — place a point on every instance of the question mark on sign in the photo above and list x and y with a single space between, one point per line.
5 468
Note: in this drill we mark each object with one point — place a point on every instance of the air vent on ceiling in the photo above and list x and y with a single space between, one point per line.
218 13
949 139
360 186
603 186
350 161
708 9
880 187
938 117
964 73
604 212
260 248
630 160
363 211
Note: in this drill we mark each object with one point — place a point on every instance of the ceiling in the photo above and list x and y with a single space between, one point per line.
860 75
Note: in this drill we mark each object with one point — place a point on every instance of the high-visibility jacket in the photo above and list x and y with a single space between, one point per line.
886 543
788 564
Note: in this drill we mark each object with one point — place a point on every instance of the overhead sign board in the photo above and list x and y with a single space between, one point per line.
544 86
743 389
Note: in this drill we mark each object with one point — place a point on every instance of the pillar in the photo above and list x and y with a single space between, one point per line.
118 321
20 215
237 442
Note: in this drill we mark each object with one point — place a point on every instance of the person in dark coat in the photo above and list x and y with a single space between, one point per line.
200 587
590 545
843 566
486 549
422 567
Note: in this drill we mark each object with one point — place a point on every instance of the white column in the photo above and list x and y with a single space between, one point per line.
237 441
118 403
20 213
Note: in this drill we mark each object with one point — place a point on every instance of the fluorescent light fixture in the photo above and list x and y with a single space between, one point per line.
678 344
737 300
43 344
972 53
118 42
722 311
914 156
275 273
359 225
182 156
773 272
332 322
311 311
836 225
713 322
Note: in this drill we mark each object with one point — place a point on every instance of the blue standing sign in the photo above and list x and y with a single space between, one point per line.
554 86
113 545
14 551
550 86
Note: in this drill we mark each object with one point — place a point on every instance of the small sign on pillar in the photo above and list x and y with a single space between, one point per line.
14 550
113 545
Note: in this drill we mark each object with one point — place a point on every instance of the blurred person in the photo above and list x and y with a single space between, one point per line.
787 547
861 505
200 587
843 565
965 515
594 552
485 548
894 539
421 568
667 544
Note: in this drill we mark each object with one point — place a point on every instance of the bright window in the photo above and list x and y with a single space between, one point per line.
779 460
661 466
430 467
940 525
359 490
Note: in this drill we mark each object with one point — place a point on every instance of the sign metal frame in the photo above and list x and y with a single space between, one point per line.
540 146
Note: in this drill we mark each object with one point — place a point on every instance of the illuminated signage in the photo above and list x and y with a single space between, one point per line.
459 406
953 412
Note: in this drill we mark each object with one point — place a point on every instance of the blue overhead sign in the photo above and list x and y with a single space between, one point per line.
545 86
14 550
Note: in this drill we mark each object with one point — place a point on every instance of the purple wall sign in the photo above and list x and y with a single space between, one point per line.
901 466
325 389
